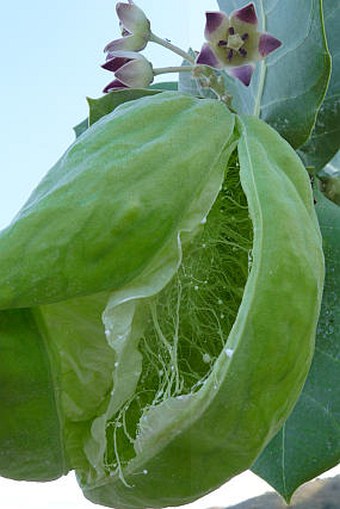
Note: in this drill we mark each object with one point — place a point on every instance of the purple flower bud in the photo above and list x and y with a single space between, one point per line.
234 42
126 43
131 70
114 63
132 18
114 85
135 29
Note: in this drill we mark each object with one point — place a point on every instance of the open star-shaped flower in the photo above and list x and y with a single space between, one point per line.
234 44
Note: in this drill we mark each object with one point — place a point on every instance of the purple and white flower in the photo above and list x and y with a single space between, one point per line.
234 44
131 70
135 28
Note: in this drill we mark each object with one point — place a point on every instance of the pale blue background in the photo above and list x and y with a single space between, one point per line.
51 53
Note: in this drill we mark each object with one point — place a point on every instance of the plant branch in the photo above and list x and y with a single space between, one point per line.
166 44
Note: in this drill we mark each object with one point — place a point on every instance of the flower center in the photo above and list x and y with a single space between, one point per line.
234 43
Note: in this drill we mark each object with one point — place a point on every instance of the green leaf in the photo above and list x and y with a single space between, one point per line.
309 442
31 434
81 127
288 87
117 196
207 368
332 168
109 102
167 85
325 138
329 179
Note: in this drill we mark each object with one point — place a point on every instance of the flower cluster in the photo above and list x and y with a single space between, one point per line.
234 44
131 69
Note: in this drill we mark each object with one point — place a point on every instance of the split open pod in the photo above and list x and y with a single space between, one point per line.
170 267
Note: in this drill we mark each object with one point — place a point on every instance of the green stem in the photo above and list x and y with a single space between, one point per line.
171 47
165 70
207 78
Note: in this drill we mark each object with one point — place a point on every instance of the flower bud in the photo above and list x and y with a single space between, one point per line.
131 70
135 28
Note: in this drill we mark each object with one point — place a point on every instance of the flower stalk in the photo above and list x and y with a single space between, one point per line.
167 70
168 45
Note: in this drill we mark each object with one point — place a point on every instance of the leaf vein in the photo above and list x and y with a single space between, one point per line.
326 354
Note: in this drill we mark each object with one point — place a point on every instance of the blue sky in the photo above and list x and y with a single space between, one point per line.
50 56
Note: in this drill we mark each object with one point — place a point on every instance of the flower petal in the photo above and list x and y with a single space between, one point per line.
136 73
208 57
130 55
243 73
114 63
216 26
115 84
247 14
133 18
128 43
123 30
267 44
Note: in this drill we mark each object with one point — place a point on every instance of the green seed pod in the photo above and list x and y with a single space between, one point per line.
215 294
90 225
173 430
112 208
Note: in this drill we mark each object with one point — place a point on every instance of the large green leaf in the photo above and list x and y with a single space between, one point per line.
325 139
309 442
31 425
288 87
